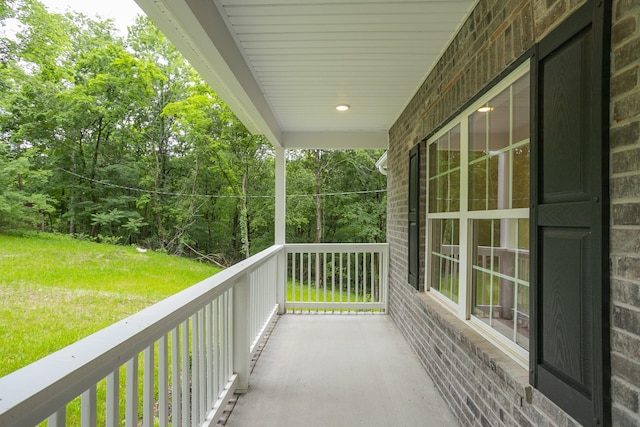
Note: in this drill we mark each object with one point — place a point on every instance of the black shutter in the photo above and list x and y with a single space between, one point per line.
414 209
569 226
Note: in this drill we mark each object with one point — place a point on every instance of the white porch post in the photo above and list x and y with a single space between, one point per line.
281 199
241 339
280 226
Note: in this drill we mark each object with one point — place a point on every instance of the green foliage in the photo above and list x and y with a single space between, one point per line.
344 216
119 140
22 205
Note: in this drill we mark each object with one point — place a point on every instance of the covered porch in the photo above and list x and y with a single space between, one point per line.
334 357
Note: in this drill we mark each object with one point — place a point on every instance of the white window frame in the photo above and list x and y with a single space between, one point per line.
466 217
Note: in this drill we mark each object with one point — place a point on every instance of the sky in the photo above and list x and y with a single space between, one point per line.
123 12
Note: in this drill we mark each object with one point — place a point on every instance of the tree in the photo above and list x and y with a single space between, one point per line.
120 140
341 216
22 204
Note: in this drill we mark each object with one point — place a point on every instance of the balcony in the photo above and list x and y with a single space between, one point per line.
180 361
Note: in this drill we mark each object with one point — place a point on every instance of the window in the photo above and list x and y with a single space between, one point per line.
478 214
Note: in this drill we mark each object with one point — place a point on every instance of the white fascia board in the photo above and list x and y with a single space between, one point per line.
336 140
198 31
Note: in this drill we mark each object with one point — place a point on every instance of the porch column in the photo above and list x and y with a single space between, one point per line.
280 226
241 339
281 200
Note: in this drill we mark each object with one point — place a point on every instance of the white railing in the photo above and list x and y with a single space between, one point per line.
175 363
263 302
179 361
338 277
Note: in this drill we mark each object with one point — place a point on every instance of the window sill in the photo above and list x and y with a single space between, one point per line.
491 359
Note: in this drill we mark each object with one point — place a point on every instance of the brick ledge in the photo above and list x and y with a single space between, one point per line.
498 364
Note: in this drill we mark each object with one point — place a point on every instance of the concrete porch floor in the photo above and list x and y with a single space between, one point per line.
339 370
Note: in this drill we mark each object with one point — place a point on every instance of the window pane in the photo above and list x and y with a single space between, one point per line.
523 249
521 109
496 179
522 300
520 177
445 257
500 285
454 146
433 172
433 160
443 183
433 195
448 194
454 191
477 186
499 120
477 135
443 154
522 317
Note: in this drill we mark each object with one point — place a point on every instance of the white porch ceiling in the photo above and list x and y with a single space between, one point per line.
283 65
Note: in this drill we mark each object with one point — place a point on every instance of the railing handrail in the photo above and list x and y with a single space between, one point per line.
334 247
49 383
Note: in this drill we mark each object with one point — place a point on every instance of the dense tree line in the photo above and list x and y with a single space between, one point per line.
118 139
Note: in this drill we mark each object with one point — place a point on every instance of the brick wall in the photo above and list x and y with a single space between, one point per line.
482 385
625 212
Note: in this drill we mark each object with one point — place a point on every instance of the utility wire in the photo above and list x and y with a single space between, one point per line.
344 193
211 196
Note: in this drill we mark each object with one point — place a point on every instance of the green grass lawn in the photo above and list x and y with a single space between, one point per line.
55 290
310 293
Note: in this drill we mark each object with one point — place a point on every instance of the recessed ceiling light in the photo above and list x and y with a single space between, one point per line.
342 107
485 109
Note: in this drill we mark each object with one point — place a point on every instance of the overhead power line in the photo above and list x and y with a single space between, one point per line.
210 196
